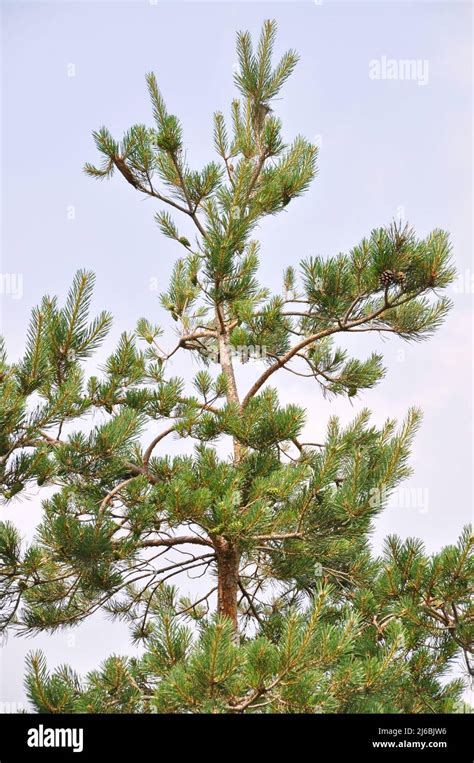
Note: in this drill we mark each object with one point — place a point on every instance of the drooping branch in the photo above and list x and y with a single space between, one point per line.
335 329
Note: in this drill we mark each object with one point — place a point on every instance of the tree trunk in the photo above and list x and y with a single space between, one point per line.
227 553
225 360
227 579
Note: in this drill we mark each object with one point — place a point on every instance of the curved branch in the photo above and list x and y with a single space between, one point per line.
154 443
314 338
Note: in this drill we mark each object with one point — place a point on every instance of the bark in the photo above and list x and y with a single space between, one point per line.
225 361
227 554
227 368
227 579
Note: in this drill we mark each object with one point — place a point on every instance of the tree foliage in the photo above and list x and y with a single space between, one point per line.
306 618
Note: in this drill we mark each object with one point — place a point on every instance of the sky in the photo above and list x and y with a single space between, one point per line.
389 148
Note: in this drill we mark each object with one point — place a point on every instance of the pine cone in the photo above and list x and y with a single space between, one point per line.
389 277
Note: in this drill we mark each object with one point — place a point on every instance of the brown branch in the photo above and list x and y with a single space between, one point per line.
314 338
256 174
109 497
130 178
177 541
250 601
301 445
154 443
140 470
184 563
277 536
199 601
190 338
192 210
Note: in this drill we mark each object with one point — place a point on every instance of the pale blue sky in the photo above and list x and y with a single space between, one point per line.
386 147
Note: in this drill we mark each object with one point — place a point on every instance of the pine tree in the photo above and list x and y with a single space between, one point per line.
298 614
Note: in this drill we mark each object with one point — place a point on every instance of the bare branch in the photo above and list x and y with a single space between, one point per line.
178 541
